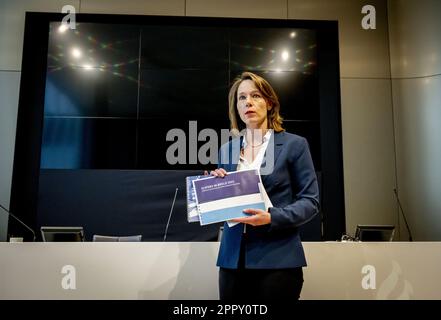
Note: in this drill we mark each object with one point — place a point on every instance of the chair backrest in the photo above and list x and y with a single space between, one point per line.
62 234
136 238
100 238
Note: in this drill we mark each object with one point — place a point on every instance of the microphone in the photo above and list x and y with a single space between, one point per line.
21 222
402 212
169 216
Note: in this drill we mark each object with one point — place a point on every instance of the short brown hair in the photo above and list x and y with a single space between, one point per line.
274 118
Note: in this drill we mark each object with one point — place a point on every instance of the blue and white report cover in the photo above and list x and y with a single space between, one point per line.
222 199
192 209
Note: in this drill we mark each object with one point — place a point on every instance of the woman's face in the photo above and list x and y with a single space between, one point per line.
252 106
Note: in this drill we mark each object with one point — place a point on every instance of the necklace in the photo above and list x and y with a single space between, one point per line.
257 145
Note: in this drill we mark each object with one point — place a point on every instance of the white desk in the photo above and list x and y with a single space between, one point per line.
186 270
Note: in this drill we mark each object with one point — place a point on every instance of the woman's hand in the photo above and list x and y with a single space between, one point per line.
217 173
258 217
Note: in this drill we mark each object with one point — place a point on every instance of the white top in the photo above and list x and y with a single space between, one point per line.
257 163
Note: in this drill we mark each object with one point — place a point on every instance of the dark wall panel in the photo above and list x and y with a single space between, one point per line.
88 143
275 49
78 91
184 94
184 47
153 146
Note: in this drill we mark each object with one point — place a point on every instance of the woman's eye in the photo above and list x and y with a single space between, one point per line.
256 96
241 97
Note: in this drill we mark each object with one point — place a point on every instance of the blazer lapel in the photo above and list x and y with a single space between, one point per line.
276 141
235 155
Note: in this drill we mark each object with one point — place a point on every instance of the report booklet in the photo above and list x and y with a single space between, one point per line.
223 199
192 209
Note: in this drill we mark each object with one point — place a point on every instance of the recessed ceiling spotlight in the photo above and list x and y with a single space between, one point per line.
62 28
76 53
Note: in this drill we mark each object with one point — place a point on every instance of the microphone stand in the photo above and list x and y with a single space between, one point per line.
402 212
169 216
21 222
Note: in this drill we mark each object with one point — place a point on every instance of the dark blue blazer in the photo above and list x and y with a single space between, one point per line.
293 190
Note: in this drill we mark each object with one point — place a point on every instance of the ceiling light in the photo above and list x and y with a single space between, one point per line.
62 28
76 53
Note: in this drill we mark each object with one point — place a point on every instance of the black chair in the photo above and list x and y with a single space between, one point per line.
62 234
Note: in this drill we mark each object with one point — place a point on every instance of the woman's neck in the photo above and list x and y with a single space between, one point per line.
254 137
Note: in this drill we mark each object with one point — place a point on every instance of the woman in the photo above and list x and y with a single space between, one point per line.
261 257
